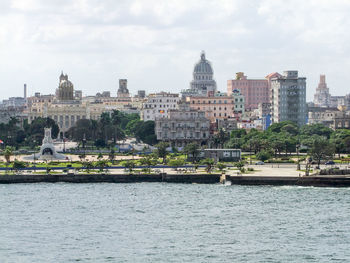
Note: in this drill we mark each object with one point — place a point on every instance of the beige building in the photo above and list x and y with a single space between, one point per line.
68 107
331 117
183 126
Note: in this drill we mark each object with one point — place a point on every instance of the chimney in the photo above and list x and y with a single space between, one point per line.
25 91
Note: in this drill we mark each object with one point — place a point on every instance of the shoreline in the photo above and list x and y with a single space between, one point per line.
187 178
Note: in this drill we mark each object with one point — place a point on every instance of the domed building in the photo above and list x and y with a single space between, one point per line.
65 89
203 83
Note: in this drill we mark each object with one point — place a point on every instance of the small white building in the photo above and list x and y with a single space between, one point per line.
158 105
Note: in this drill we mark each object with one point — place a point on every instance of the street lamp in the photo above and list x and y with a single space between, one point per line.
84 142
250 152
297 148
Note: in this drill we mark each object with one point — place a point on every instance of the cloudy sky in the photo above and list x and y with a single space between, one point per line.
155 43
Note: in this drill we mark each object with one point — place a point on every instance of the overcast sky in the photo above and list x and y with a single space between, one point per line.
155 44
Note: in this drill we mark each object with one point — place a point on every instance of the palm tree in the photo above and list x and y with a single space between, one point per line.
209 163
8 153
162 151
193 150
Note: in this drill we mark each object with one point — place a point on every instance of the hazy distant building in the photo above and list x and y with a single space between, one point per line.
203 83
65 89
123 91
141 94
289 98
322 97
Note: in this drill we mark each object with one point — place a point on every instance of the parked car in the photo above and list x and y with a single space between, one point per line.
259 163
330 163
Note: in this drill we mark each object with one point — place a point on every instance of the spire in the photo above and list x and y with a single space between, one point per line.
203 55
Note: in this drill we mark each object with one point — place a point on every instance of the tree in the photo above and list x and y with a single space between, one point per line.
111 155
316 129
277 127
209 164
322 149
240 165
102 164
192 150
8 153
221 138
17 165
148 161
88 166
264 155
161 150
221 166
176 163
100 143
130 165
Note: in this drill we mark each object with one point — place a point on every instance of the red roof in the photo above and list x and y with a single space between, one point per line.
273 75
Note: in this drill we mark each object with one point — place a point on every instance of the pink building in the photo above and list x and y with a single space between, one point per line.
255 91
219 107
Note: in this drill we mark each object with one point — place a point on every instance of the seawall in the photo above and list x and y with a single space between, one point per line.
320 181
110 178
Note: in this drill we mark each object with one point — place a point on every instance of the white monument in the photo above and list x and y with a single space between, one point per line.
47 149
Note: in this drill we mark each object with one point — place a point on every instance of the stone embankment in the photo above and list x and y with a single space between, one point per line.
321 181
110 178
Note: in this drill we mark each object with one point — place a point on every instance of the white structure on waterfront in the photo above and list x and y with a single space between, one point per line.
47 149
289 98
158 105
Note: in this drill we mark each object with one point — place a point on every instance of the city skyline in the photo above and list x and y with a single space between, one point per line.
155 45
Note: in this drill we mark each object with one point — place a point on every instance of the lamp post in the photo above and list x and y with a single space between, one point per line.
297 148
250 152
64 144
84 142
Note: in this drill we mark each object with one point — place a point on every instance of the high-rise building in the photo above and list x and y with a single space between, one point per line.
255 91
322 98
289 98
203 83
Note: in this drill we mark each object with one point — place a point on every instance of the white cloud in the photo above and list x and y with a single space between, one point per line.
156 43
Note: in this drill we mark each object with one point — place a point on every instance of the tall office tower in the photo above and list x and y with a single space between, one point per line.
289 98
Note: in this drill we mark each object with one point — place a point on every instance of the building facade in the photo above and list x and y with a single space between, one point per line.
255 91
289 98
158 105
219 106
183 126
322 98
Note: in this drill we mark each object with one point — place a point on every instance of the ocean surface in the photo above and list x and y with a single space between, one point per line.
159 222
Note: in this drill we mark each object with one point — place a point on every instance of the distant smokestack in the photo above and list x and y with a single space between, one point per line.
25 91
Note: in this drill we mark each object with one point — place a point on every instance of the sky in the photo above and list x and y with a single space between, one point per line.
155 43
